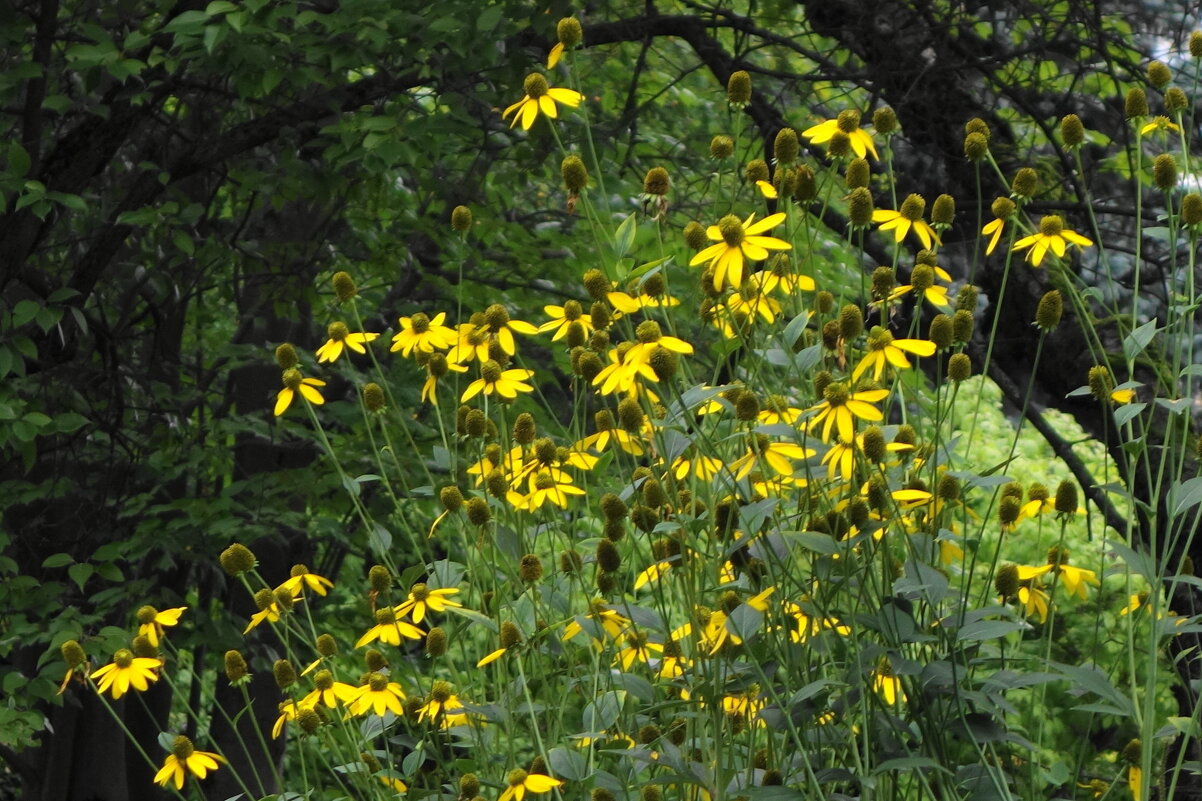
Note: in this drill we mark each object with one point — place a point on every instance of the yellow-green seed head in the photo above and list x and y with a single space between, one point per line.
146 614
285 356
822 380
966 298
1135 104
237 559
613 507
601 794
1026 182
285 674
1066 498
941 331
738 89
1002 208
1072 132
959 367
722 147
874 444
373 397
1191 209
461 219
143 648
906 435
327 645
344 286
786 148
962 325
913 207
1195 44
235 667
859 207
570 33
878 493
608 558
848 121
664 362
747 406
436 642
574 173
264 599
1164 171
694 236
1006 580
1175 100
922 278
374 660
976 146
451 498
284 599
857 174
337 331
943 211
1050 309
73 653
948 488
805 187
535 86
1008 510
851 322
511 635
379 578
478 513
1159 74
530 568
839 145
648 331
879 338
182 748
884 120
630 415
1133 752
883 282
977 125
756 170
308 719
1100 383
656 181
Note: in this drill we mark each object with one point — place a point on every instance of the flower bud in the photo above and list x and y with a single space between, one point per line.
941 331
344 286
436 642
656 181
785 148
884 120
530 568
1191 209
373 397
1175 100
959 367
1072 132
237 559
874 444
851 322
570 33
1026 181
943 210
1008 510
1049 311
326 645
1159 75
451 498
1195 44
805 188
976 146
1066 498
285 356
859 207
757 170
1135 104
285 674
461 218
478 513
722 147
962 325
1164 171
977 125
235 667
857 174
574 173
738 89
1006 580
608 558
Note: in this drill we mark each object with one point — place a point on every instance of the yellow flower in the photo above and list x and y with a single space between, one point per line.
888 687
736 240
809 626
125 671
562 318
602 619
302 578
629 304
288 712
329 692
270 613
184 761
1034 601
540 97
421 333
443 707
423 599
905 219
152 621
638 648
340 337
1075 580
993 230
778 455
766 189
389 630
550 484
884 349
849 123
1161 125
840 409
699 465
295 383
1052 236
519 782
472 343
378 695
622 373
494 380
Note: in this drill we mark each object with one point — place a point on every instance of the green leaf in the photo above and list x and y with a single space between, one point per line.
58 560
1188 494
1124 414
25 311
624 238
488 18
600 714
18 160
80 573
219 7
567 763
187 22
1135 342
980 630
908 763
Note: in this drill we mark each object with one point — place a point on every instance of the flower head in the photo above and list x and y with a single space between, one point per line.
735 241
341 338
847 123
151 621
294 384
494 380
540 97
423 333
905 219
183 761
125 671
519 782
422 599
378 695
884 349
1052 236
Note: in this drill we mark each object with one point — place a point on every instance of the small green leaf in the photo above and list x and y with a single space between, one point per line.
18 160
58 560
1135 342
624 238
80 573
